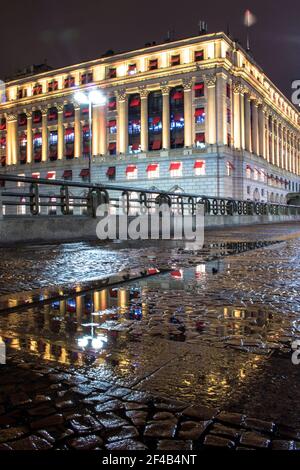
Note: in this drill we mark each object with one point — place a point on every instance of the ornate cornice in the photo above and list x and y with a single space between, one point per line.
121 94
187 84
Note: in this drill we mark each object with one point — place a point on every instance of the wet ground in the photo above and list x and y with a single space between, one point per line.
213 330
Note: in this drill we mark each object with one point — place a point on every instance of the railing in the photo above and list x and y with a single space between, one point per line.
68 197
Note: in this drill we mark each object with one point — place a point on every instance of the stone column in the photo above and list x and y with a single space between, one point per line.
255 134
221 109
293 154
165 89
95 130
286 153
44 134
60 132
122 122
144 119
188 125
102 130
12 139
210 128
272 141
237 91
248 143
261 131
29 137
280 147
77 133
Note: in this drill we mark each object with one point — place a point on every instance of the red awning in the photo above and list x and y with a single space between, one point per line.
152 271
86 128
175 59
156 120
38 135
84 172
130 168
175 166
152 167
153 63
199 86
199 164
132 67
200 137
199 54
156 145
112 123
135 146
3 141
67 174
178 95
69 131
135 102
50 175
35 175
112 103
112 146
199 112
111 171
177 274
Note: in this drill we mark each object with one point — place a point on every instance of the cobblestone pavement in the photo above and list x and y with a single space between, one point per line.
199 357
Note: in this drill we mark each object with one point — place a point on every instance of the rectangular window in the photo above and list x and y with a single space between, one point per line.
229 168
131 172
86 78
112 126
153 64
199 55
175 169
112 103
112 148
85 174
199 168
67 175
199 90
69 82
228 90
229 140
199 115
175 60
153 170
112 73
200 139
248 171
51 175
256 174
132 69
111 173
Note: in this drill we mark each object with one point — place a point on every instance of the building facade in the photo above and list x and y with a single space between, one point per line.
196 115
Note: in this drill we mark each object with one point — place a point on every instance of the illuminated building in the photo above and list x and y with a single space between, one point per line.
195 115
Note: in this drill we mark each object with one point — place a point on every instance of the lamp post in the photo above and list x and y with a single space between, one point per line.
93 97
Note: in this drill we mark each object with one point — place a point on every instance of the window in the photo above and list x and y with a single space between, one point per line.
199 167
86 78
37 89
53 138
22 93
131 172
51 175
200 139
112 72
111 173
229 168
69 82
132 69
175 60
52 86
35 175
153 64
69 111
112 126
256 174
248 171
112 148
112 103
52 114
67 175
228 90
37 146
21 209
199 55
85 174
199 115
155 120
2 124
23 148
248 190
37 117
153 170
229 140
199 90
22 119
175 169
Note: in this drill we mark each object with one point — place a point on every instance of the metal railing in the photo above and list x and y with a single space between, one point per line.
62 197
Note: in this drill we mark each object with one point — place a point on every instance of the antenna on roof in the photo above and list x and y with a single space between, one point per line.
202 25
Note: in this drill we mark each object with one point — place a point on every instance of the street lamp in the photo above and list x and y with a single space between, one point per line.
93 97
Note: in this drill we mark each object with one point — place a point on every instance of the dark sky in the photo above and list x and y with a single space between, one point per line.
70 31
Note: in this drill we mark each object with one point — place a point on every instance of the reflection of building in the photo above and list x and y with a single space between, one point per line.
196 114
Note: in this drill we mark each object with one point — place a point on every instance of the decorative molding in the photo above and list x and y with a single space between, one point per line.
121 94
165 87
210 80
11 117
187 84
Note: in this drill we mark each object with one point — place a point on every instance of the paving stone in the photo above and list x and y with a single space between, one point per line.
288 432
45 435
200 412
253 439
21 398
161 415
161 429
96 399
126 444
221 430
192 429
283 445
86 442
41 399
85 424
216 441
83 390
31 443
171 405
112 405
134 406
259 425
5 447
101 385
49 421
126 432
118 392
12 433
174 445
62 405
236 419
112 421
138 397
137 417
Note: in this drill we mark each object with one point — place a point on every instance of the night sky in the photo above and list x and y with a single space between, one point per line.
70 31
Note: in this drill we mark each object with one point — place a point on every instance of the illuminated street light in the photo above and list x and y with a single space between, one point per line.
93 97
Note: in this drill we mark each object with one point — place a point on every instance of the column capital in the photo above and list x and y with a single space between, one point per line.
187 84
165 88
237 87
143 92
11 117
121 94
44 110
210 79
59 107
28 114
